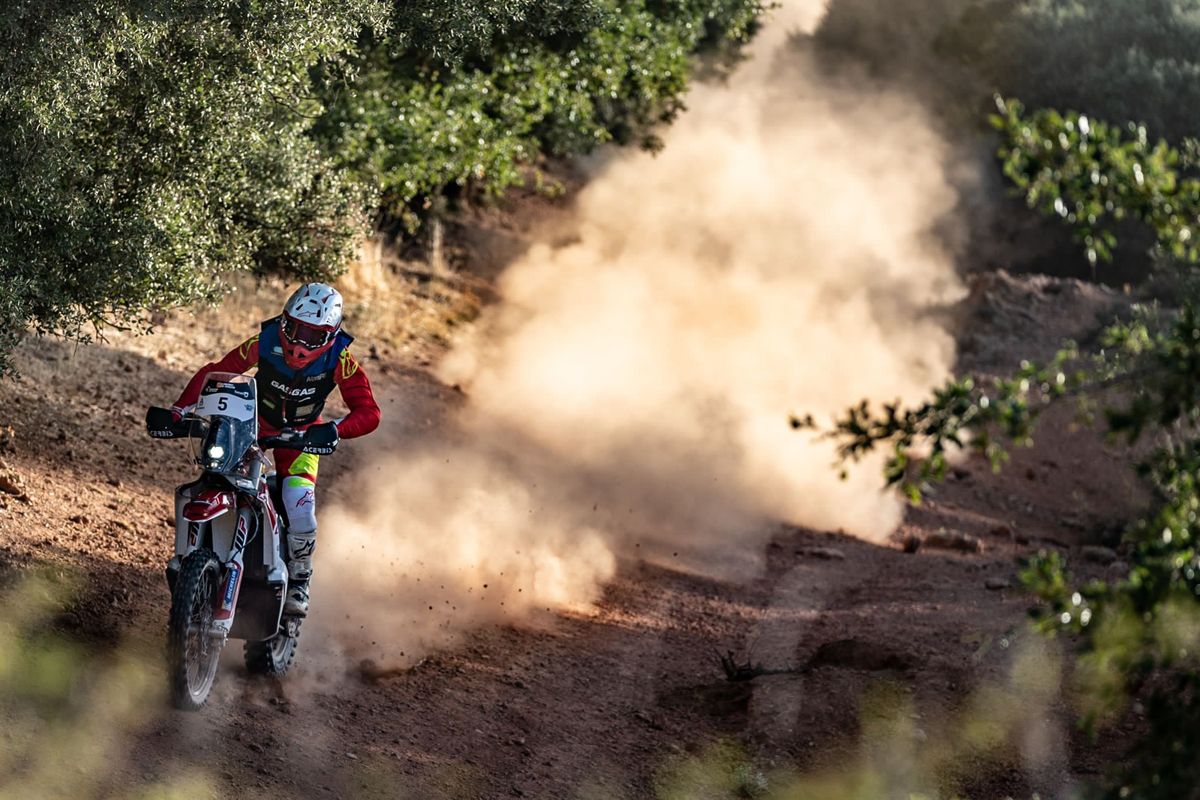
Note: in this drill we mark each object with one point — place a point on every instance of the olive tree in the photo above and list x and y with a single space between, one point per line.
151 145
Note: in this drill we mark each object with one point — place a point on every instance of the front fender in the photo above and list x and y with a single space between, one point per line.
208 505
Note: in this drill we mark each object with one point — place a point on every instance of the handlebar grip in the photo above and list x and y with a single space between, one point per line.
319 440
163 423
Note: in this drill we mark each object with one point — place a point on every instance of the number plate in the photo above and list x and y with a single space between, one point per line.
225 404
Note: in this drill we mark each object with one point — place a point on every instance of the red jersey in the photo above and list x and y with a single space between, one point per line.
348 376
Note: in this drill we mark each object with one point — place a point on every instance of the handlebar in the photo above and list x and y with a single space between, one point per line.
290 439
163 423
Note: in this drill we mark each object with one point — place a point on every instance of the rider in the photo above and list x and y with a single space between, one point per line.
301 355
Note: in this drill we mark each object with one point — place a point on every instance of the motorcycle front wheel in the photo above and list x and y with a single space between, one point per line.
193 652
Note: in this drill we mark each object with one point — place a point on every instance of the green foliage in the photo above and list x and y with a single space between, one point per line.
1142 633
449 32
151 145
959 415
1115 59
430 115
1092 174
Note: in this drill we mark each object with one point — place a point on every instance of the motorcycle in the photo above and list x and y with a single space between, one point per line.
228 577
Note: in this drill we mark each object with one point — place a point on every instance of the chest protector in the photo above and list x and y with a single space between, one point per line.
290 398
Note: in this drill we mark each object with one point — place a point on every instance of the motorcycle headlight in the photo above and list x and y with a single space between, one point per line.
216 452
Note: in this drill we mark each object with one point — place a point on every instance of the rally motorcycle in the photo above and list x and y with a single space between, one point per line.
228 577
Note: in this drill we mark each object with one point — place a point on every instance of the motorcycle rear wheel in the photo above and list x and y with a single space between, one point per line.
273 656
193 653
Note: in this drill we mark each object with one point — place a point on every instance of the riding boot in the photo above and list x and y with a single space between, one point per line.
301 545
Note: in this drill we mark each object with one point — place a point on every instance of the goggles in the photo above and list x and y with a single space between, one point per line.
302 333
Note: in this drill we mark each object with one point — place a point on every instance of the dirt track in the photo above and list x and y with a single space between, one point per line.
625 701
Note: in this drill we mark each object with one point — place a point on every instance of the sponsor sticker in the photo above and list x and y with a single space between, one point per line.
349 364
231 585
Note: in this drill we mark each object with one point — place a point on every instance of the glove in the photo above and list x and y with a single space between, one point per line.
163 423
321 440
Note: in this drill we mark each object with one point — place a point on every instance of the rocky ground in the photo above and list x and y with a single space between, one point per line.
846 662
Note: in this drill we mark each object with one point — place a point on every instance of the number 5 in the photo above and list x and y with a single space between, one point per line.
222 403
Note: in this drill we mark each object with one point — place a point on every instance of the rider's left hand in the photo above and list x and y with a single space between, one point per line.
321 439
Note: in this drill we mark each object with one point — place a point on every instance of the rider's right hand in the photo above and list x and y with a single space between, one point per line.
164 423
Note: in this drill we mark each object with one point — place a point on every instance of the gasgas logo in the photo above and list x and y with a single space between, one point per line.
297 392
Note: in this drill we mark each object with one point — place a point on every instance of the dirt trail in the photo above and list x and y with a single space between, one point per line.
627 700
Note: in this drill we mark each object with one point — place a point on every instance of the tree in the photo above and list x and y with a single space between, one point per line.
151 146
468 106
1113 59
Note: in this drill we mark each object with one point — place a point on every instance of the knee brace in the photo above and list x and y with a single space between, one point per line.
300 503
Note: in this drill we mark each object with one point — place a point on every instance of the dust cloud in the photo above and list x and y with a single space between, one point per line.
630 393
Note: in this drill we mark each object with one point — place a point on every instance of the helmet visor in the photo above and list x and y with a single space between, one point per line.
302 333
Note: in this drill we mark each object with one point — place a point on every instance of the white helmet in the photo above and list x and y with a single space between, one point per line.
311 319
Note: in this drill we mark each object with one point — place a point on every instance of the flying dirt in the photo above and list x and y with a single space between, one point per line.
629 393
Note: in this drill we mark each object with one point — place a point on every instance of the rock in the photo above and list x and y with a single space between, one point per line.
1098 554
827 553
11 483
995 584
945 539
